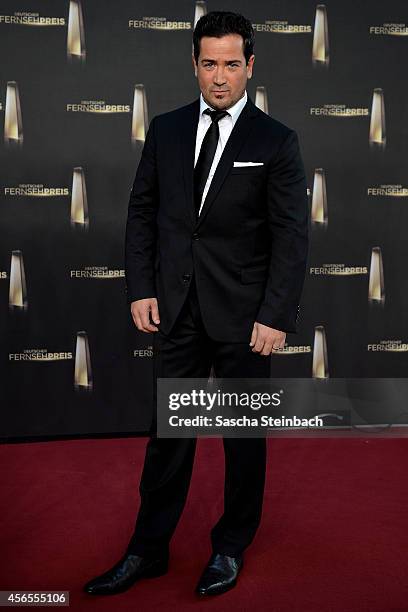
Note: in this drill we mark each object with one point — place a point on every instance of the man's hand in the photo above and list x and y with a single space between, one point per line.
266 339
140 310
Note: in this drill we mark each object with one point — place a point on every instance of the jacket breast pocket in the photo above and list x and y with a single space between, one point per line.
251 170
254 274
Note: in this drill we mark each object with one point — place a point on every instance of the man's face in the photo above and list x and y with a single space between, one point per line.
221 70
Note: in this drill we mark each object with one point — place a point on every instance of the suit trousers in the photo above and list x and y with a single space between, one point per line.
188 352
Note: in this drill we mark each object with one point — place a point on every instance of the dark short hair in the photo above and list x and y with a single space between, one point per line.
221 23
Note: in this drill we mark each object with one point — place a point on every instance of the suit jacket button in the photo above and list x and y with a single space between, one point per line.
186 277
196 236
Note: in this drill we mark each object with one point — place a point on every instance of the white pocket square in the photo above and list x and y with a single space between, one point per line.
238 164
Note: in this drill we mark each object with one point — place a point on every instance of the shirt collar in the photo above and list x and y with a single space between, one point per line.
234 110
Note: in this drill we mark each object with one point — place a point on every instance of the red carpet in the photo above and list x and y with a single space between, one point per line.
333 537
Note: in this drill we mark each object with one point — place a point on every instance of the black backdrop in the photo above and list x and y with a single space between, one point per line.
74 272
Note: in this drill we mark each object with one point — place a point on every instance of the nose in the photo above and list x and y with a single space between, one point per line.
219 78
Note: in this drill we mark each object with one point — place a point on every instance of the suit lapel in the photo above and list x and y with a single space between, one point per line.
234 143
188 140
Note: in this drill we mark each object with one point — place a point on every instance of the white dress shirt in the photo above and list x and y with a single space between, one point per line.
225 128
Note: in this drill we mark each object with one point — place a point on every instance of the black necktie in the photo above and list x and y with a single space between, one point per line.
206 156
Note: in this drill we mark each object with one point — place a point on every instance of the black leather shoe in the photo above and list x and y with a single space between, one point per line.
220 575
125 573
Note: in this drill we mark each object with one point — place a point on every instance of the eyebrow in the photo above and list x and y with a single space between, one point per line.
206 59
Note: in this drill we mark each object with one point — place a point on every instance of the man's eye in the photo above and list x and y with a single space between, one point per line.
229 65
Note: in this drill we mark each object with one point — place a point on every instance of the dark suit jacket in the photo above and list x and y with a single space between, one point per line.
248 248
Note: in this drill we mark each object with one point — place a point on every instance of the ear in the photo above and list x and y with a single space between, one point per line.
251 65
194 64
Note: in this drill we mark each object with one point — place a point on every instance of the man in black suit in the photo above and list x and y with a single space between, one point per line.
216 247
